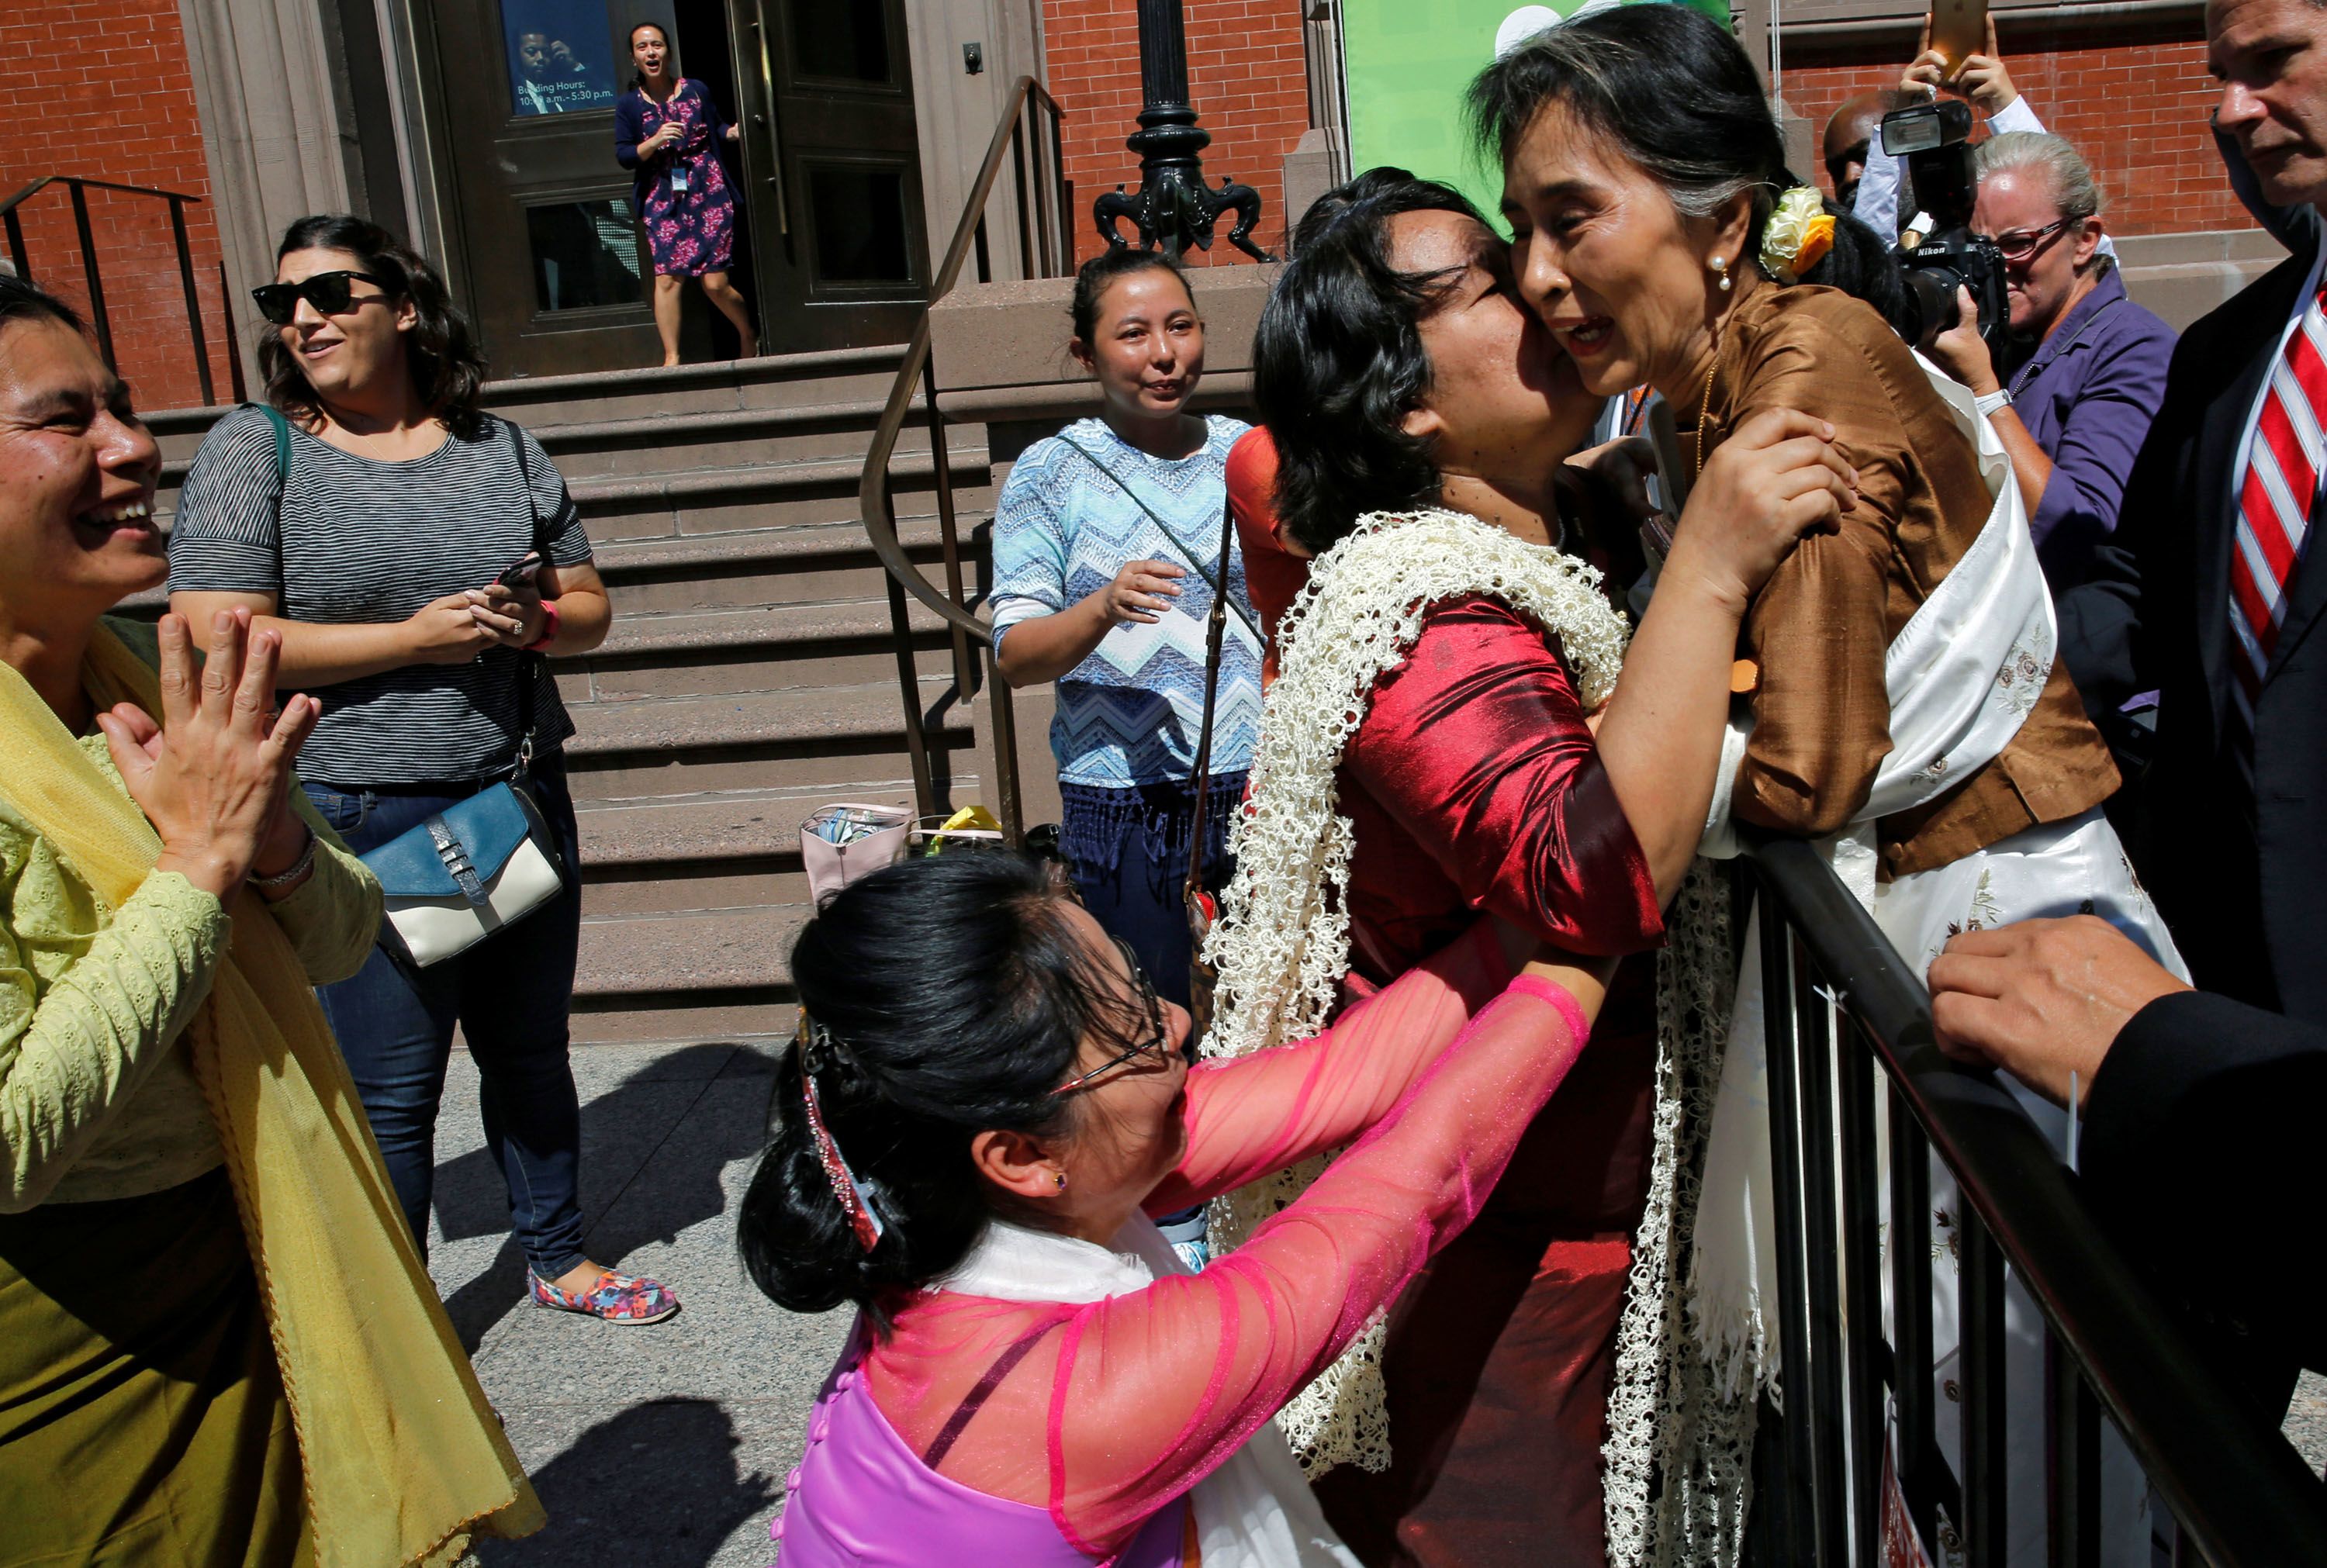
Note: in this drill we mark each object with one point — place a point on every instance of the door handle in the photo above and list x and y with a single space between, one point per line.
774 127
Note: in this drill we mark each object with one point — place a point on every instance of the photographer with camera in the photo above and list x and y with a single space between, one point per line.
2083 371
1982 79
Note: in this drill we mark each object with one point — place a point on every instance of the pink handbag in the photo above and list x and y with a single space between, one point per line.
845 841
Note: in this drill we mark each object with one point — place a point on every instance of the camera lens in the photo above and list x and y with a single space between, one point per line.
1930 302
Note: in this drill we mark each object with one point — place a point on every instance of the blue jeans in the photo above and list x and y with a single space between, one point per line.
508 995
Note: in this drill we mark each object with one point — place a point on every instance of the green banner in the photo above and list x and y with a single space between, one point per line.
1408 63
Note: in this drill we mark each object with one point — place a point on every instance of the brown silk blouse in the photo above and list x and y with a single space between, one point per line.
1818 629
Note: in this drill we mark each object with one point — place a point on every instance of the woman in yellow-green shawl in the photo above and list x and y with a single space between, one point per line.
217 1343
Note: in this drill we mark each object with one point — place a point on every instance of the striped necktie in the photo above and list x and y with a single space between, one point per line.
2282 480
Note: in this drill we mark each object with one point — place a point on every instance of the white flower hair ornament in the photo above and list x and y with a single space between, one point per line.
1800 233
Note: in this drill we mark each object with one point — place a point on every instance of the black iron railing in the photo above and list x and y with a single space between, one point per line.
93 272
1846 1020
1027 136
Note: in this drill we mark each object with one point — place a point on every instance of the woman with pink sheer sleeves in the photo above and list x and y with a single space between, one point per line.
988 1101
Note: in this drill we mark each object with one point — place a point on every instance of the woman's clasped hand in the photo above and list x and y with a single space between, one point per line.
458 627
1778 479
213 776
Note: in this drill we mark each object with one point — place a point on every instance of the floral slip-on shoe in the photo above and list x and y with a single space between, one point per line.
616 1297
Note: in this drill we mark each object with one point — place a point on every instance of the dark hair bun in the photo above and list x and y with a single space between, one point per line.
953 993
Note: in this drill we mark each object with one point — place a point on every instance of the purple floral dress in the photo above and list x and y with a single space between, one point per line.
691 231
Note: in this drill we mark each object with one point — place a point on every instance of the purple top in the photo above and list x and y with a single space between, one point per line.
862 1500
2087 398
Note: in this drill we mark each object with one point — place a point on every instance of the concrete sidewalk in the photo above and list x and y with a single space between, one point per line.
657 1447
665 1446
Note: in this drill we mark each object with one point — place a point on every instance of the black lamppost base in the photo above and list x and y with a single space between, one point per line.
1174 207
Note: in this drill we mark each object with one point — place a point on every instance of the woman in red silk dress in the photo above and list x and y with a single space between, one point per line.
1474 782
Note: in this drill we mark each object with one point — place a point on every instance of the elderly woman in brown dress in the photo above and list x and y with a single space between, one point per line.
1904 704
217 1344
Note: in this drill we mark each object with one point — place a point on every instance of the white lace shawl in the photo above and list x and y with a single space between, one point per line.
1282 944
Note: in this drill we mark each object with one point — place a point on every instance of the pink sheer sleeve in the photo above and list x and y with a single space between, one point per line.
1258 1114
1149 1392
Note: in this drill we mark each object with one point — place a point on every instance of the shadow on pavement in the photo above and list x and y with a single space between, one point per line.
655 1486
659 1162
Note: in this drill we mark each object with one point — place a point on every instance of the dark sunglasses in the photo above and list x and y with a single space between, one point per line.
1154 1045
328 292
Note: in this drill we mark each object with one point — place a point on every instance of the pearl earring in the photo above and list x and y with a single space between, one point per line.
1721 271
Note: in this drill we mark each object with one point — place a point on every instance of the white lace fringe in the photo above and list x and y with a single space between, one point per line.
1282 944
1680 1417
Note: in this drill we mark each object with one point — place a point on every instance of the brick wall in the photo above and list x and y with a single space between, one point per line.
2134 102
1246 71
112 98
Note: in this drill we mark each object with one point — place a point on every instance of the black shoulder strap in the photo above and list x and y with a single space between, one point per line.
1203 768
1172 538
532 667
541 525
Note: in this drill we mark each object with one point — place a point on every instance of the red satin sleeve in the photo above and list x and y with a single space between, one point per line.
1273 575
1476 749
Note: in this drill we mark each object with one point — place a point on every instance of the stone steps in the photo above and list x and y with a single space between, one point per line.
825 736
758 648
728 499
771 382
718 975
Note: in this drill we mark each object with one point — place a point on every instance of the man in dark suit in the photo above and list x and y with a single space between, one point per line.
2206 596
2202 1143
2203 1156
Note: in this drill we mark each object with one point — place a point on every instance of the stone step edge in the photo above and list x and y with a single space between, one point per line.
589 490
670 977
681 554
969 463
806 364
691 636
785 721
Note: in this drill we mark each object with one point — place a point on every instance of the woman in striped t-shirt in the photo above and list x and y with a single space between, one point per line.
375 548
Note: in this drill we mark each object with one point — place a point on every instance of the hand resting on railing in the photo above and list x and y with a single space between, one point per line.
2201 1125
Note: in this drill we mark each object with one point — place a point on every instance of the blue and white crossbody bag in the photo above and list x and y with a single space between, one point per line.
487 862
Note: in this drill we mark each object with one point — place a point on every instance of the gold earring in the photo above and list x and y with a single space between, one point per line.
1721 271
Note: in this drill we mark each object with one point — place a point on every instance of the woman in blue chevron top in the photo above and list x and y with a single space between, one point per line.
1106 544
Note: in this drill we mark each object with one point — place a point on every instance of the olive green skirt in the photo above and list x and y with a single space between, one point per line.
142 1415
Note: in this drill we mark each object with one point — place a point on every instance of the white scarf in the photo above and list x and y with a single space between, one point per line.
1961 677
1282 944
1254 1511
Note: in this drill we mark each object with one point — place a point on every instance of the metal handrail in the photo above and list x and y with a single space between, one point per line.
2241 1491
1043 242
101 320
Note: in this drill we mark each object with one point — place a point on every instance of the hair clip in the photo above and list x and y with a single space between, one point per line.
863 1218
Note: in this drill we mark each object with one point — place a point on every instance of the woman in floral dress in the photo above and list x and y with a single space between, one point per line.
667 132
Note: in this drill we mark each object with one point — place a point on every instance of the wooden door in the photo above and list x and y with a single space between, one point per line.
553 270
832 170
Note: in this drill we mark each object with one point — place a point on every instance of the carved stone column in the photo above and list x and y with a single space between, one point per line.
266 81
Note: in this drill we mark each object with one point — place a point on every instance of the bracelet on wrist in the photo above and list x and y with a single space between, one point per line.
283 879
548 628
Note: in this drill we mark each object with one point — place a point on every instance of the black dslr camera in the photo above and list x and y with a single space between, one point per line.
1944 184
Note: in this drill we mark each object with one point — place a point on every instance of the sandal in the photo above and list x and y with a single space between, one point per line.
615 1298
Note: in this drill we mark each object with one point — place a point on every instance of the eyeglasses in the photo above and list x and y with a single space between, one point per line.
2022 243
1154 1045
328 292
